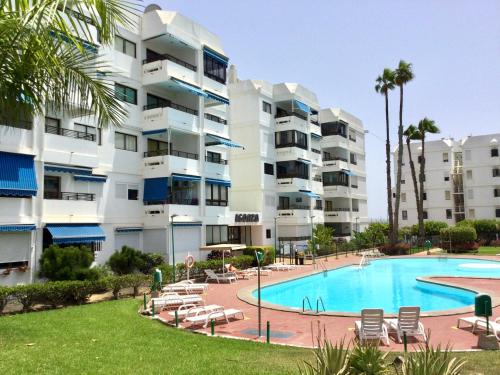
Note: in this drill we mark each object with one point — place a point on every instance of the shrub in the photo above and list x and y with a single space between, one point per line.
151 261
367 360
125 261
462 238
5 293
116 284
435 361
166 272
29 295
68 263
495 243
136 281
56 293
328 359
400 248
217 254
269 254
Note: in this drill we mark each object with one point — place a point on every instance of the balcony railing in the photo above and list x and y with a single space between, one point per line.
214 118
328 183
314 122
179 201
166 56
316 151
211 159
67 196
50 129
292 175
354 186
295 207
333 158
292 144
337 209
317 178
19 124
216 203
286 114
355 209
171 105
327 133
353 162
181 154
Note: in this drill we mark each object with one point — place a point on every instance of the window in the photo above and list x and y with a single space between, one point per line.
403 182
445 157
51 187
214 69
156 148
335 179
124 46
268 233
449 214
133 192
496 192
125 93
153 101
447 195
292 169
404 214
472 213
425 215
328 205
127 191
403 197
125 142
291 138
470 194
269 169
216 234
496 172
447 176
88 132
214 157
420 158
468 155
54 123
469 174
334 128
266 107
216 195
353 159
425 196
497 212
318 204
494 152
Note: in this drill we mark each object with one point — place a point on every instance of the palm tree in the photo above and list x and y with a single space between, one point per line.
403 75
412 133
384 84
424 126
49 57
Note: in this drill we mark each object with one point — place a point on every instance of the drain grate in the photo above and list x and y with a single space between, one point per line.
273 334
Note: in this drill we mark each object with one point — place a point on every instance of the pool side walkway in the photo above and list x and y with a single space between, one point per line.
298 329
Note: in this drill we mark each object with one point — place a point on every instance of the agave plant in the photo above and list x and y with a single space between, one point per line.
367 360
432 361
328 360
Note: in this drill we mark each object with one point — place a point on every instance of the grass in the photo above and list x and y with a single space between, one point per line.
488 250
110 337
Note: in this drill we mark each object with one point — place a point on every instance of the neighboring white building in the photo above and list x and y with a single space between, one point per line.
291 177
462 180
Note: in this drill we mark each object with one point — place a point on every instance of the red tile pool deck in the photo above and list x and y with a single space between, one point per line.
300 329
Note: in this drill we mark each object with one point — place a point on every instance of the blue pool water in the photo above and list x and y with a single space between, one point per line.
385 283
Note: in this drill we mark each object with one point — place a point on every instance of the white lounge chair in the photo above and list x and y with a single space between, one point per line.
186 287
185 311
217 314
263 271
170 300
280 267
408 321
371 326
480 322
228 276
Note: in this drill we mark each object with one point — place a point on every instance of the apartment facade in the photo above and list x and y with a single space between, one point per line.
305 165
163 173
462 180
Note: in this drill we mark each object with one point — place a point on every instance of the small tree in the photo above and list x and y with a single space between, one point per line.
127 260
67 263
323 236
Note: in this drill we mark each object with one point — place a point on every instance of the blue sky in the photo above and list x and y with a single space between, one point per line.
337 49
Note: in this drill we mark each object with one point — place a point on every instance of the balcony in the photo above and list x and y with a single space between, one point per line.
292 184
216 168
216 124
171 116
161 163
334 164
159 71
159 214
291 151
70 207
336 191
49 129
334 140
338 215
293 122
69 196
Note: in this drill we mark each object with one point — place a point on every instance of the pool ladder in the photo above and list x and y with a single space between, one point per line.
319 301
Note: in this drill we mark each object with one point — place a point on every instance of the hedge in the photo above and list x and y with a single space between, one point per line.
461 237
269 254
57 293
400 248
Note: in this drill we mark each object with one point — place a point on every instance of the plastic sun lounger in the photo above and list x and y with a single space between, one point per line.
408 321
371 326
176 300
228 276
263 271
187 288
185 311
218 314
480 322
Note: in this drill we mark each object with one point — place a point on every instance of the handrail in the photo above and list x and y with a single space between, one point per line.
318 300
166 56
308 302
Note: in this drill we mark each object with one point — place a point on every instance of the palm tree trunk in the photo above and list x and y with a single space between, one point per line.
388 170
421 231
414 179
400 163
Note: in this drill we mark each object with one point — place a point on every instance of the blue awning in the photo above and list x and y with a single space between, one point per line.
93 178
17 175
128 229
187 224
67 169
189 87
348 172
75 233
214 181
185 177
155 189
314 135
310 194
303 107
17 228
216 97
157 131
215 55
216 140
305 161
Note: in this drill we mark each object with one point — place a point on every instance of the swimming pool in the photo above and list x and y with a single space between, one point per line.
384 283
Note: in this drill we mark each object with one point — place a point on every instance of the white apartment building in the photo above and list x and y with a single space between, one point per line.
462 180
163 172
290 176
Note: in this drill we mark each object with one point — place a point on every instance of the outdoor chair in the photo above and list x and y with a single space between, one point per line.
228 276
480 322
371 326
407 322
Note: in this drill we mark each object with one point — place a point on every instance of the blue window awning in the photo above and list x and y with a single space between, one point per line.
187 224
215 55
189 87
314 135
302 106
216 140
305 161
310 194
185 177
128 229
93 178
17 228
214 181
216 97
17 175
75 233
157 131
67 169
155 189
348 172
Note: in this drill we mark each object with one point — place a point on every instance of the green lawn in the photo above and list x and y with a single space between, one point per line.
110 337
488 250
